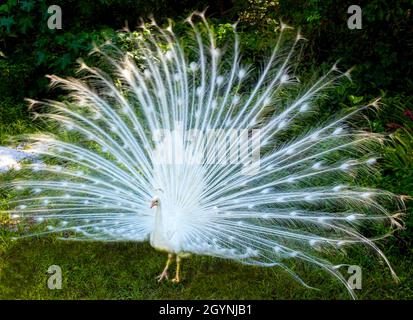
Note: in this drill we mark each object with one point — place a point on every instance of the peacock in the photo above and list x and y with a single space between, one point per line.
185 144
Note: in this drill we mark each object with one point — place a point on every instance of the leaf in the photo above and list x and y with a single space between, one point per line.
355 99
27 5
6 22
75 45
4 8
63 38
64 61
25 23
41 58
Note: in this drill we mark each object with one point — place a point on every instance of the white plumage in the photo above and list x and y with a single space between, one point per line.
168 130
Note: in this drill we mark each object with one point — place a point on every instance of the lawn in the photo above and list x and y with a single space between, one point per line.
128 270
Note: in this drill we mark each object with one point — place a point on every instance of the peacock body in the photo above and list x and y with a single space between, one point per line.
198 153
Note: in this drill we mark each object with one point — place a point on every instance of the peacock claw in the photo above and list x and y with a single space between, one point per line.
176 280
163 275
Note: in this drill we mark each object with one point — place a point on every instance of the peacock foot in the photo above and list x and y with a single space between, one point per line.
177 279
163 275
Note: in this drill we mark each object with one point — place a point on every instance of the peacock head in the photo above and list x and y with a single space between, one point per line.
155 202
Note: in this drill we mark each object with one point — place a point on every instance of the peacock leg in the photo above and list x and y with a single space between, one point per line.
177 278
164 274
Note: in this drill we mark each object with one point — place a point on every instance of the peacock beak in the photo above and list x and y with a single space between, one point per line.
154 203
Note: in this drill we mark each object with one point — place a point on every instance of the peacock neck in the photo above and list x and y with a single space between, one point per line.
158 217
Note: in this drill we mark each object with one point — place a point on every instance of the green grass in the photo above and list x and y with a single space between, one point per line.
128 270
